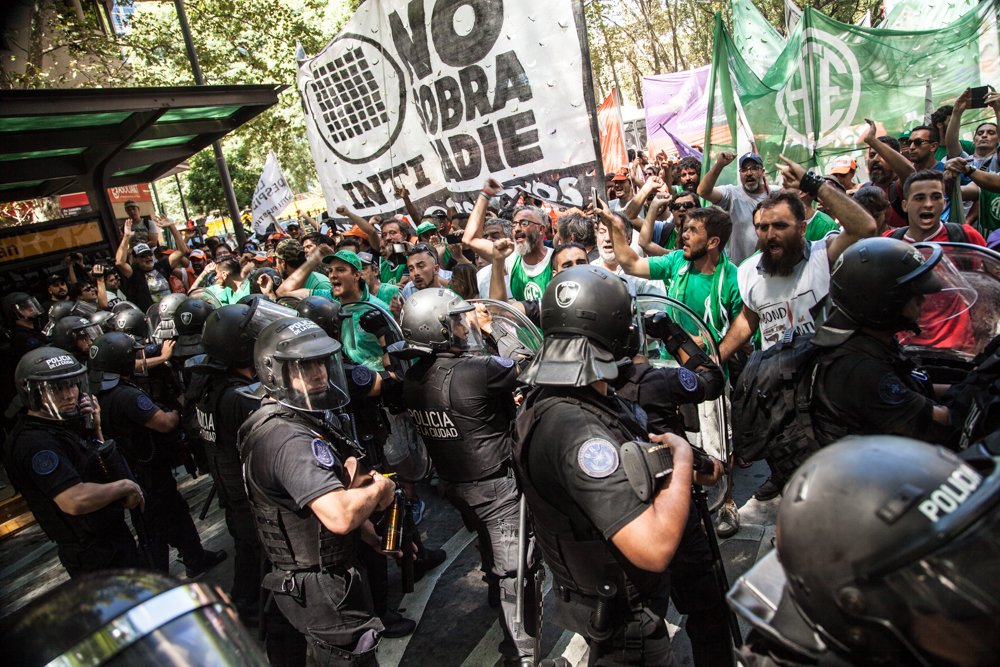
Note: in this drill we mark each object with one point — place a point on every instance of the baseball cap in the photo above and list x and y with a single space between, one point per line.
751 156
842 164
131 203
261 256
291 224
366 258
141 249
289 250
200 254
425 227
344 256
55 278
435 212
904 135
621 174
355 231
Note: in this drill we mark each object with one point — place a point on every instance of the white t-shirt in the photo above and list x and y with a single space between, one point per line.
483 277
641 285
409 289
783 302
740 206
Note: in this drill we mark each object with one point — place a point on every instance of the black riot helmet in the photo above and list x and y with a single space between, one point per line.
874 280
73 328
438 320
324 312
61 309
189 321
112 356
887 545
300 366
20 306
256 275
588 318
133 322
162 315
51 381
227 338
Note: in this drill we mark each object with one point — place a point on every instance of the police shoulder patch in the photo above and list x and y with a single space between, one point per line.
891 390
322 454
503 361
362 376
144 403
44 462
598 458
688 379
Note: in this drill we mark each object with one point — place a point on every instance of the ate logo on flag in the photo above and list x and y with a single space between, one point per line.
829 94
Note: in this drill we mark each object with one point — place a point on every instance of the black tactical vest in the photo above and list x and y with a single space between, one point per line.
292 541
664 415
579 562
464 448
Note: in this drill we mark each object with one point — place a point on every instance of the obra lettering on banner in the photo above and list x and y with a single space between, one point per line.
505 140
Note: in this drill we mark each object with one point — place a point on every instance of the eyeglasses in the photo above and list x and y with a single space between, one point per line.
751 167
524 224
686 206
920 142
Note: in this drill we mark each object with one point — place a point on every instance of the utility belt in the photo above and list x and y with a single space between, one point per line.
505 470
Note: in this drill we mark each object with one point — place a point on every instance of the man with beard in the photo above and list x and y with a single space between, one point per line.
690 174
145 279
609 262
530 266
738 200
887 169
58 290
789 276
563 257
425 270
660 237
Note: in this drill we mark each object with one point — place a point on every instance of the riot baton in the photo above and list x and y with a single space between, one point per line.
700 498
522 558
114 467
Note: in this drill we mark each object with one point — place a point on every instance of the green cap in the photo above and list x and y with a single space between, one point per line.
344 256
425 227
905 134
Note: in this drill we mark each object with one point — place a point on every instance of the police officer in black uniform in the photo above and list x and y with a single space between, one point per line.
53 461
75 334
606 535
864 383
223 408
462 406
913 528
148 438
310 499
23 315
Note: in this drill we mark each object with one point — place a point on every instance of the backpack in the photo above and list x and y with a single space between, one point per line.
956 233
977 398
771 404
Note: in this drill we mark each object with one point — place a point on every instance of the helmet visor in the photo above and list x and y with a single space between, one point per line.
264 312
465 333
91 332
59 399
29 309
959 582
943 298
314 384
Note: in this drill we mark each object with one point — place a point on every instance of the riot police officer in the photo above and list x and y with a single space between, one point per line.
310 499
23 316
53 461
463 406
864 383
148 437
914 530
75 334
608 509
222 409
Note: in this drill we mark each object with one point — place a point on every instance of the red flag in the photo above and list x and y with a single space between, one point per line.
609 123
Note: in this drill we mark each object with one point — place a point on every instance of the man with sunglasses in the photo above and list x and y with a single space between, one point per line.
738 200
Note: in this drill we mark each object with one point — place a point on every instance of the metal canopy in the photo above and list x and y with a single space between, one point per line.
59 141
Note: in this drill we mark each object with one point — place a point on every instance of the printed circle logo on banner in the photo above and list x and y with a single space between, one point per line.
835 77
356 99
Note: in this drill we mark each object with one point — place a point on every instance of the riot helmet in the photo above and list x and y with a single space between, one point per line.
75 334
226 338
133 322
300 366
122 306
161 317
874 280
61 309
886 545
112 356
189 321
20 306
255 277
51 382
588 320
324 312
438 320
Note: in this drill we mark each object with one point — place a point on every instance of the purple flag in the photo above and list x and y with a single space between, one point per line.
676 108
682 148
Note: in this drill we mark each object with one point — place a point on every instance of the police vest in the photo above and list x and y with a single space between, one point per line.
579 562
463 447
664 415
207 411
292 541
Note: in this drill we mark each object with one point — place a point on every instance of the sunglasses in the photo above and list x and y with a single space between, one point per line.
422 247
686 206
920 142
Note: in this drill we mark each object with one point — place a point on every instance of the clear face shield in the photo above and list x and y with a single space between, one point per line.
29 309
264 312
314 385
941 310
59 399
464 331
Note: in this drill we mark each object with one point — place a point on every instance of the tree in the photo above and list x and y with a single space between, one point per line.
204 189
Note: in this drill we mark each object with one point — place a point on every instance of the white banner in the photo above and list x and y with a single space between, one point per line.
438 95
272 195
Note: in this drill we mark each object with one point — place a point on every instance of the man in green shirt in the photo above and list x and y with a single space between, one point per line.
290 255
230 285
818 223
384 292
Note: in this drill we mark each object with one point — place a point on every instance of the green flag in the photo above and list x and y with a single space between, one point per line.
924 14
758 42
811 103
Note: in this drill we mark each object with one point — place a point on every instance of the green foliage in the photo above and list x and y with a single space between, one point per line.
204 189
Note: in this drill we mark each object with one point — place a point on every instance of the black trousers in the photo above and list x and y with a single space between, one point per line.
167 520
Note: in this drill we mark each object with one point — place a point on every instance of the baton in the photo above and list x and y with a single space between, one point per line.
522 557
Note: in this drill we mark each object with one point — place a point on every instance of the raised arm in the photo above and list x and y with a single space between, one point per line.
634 207
411 210
646 242
121 255
368 228
473 235
951 141
502 248
899 164
294 282
706 188
630 262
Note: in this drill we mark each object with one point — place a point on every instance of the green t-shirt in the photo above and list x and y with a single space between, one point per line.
359 346
715 297
226 296
820 225
386 292
989 212
387 274
530 285
317 281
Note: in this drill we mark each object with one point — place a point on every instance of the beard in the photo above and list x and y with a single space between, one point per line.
525 246
692 255
790 256
606 255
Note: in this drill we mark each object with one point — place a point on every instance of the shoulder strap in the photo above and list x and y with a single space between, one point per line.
898 233
956 232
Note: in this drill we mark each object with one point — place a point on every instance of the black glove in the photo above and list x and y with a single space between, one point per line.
657 324
373 321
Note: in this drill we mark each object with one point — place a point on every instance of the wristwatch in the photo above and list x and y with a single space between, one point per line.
969 168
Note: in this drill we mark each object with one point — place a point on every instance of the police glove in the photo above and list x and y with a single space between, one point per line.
658 324
374 323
